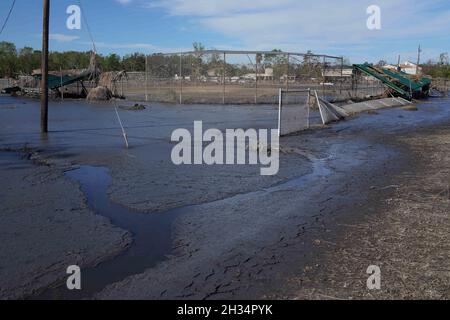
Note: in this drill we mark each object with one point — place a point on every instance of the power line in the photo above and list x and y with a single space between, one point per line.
87 26
7 17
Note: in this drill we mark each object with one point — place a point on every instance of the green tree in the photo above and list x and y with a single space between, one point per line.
8 59
28 60
111 62
134 62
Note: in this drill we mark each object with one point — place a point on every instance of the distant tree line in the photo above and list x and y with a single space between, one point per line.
439 69
14 62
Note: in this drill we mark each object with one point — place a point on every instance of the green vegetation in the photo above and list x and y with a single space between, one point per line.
440 69
14 62
136 107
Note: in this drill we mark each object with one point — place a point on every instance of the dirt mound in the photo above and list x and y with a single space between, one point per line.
99 94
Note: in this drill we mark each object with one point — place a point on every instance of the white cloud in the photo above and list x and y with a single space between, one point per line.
124 2
320 25
215 7
109 45
62 37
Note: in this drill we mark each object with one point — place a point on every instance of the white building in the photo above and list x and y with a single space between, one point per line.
266 76
406 67
337 73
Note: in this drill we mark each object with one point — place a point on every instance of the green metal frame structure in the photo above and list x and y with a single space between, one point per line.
55 82
400 83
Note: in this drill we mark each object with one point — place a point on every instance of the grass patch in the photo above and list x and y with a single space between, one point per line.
136 107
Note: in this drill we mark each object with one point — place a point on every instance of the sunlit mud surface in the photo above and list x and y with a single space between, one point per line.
195 231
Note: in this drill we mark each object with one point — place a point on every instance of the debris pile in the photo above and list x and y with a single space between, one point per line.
99 93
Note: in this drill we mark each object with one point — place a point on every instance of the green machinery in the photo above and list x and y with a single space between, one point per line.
399 83
56 82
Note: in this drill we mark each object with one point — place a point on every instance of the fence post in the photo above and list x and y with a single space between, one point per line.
256 82
323 76
287 71
309 108
146 77
62 89
342 75
181 78
280 105
223 76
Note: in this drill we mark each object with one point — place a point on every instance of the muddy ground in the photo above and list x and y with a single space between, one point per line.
309 232
46 226
239 94
407 237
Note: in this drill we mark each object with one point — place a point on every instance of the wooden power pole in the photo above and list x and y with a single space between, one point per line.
44 67
418 59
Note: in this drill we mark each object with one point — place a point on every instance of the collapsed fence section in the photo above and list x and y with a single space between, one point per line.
294 111
299 110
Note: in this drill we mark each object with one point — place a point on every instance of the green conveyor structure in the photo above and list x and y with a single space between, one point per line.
55 82
404 85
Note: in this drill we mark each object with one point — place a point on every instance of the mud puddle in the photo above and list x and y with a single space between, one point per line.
152 232
151 237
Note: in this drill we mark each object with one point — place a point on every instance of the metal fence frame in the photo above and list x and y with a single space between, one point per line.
282 92
224 53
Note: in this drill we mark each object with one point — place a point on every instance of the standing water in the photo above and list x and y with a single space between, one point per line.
152 240
151 237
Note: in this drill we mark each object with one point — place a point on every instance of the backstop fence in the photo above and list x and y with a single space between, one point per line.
231 77
241 77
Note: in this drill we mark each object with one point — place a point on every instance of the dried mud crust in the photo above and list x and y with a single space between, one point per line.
408 238
46 226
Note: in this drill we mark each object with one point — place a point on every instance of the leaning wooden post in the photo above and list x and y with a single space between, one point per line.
124 134
44 67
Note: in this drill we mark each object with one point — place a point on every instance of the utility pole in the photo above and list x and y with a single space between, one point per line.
418 60
44 67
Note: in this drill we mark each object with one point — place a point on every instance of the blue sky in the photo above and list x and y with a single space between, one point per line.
330 27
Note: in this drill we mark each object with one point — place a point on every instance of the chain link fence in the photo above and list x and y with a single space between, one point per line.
5 83
242 77
232 77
